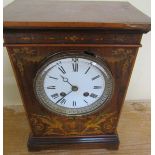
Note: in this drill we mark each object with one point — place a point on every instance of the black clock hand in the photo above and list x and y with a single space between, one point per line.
64 96
66 80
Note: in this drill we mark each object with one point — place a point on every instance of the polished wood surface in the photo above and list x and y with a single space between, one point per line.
73 45
63 36
75 14
134 131
110 31
27 60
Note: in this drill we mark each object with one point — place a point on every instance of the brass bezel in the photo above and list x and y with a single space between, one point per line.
51 106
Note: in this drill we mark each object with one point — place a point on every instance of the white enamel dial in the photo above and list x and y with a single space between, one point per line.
72 85
81 82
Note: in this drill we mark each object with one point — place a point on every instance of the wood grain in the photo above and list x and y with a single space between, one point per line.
36 30
77 14
133 128
73 45
70 36
27 60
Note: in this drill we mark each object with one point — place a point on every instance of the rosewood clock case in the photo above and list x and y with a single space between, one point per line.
34 32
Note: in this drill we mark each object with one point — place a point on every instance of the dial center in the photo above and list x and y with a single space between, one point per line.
74 88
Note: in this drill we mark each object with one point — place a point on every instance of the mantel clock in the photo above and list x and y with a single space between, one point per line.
73 62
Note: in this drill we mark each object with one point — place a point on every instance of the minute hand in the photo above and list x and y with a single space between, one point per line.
64 96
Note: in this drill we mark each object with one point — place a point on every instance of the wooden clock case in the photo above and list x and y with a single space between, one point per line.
30 43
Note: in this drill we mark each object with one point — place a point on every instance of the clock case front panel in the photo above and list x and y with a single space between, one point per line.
117 48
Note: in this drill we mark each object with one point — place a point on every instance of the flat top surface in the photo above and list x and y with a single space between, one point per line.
75 13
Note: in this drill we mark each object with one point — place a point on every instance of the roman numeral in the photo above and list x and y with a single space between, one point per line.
53 77
62 69
63 101
51 87
96 77
54 96
97 87
87 70
75 64
75 59
75 67
93 95
74 103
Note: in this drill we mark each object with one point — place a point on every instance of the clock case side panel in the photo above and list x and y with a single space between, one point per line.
121 62
17 74
27 60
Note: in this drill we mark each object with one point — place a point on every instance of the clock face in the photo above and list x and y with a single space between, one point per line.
73 84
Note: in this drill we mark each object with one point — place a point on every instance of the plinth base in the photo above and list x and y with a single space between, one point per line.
110 142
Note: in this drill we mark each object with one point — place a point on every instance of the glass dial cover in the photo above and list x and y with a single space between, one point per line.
73 84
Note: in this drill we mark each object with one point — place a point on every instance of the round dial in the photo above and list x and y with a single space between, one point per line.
73 84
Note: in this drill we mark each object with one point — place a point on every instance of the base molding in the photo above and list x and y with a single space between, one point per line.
110 142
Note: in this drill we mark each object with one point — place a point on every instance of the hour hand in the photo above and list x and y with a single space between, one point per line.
66 80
